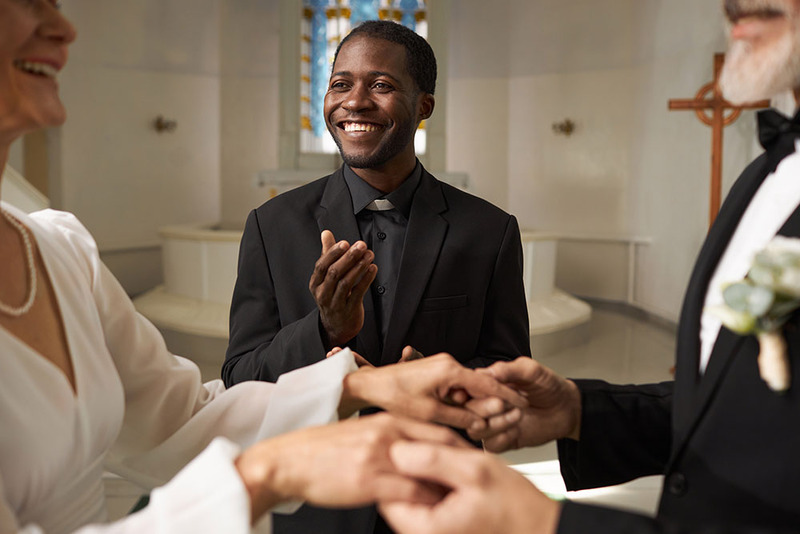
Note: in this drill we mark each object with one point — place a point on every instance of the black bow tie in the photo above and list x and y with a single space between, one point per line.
775 128
777 134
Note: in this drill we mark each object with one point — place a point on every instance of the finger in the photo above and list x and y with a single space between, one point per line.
327 240
333 351
439 412
496 425
423 431
487 407
396 487
361 361
359 289
324 263
480 385
457 397
521 369
406 517
448 467
348 270
502 442
410 353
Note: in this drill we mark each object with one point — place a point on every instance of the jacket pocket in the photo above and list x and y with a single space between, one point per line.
443 303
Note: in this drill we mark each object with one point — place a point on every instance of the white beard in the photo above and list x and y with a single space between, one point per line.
748 76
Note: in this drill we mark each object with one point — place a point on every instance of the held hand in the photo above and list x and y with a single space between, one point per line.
360 360
410 354
342 275
553 408
429 389
484 495
346 464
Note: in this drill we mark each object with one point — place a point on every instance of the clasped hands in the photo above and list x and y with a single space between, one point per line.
425 478
478 493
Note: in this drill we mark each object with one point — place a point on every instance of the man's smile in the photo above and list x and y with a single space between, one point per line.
354 127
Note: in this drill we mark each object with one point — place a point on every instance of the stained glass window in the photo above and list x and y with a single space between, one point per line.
324 24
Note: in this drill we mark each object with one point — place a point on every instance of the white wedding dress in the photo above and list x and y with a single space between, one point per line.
139 411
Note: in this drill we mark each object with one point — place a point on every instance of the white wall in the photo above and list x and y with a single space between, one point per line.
133 61
477 101
632 168
250 108
15 156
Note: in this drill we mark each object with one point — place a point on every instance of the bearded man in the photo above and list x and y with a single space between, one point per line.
727 444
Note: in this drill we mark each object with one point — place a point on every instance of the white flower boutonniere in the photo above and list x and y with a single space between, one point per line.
763 302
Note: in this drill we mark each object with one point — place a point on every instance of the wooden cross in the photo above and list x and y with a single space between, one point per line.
717 120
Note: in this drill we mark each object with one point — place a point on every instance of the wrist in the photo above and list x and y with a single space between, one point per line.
575 411
354 392
324 335
258 470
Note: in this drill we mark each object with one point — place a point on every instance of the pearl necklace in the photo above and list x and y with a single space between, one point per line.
25 308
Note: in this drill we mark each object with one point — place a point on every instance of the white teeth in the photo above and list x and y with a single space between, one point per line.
42 69
359 127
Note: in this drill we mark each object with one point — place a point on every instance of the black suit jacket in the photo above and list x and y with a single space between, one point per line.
459 288
728 446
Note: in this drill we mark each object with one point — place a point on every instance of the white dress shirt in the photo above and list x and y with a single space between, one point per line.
773 203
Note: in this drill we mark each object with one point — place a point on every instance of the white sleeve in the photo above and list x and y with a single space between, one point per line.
207 496
170 416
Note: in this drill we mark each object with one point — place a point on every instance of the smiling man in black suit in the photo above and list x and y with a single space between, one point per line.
420 267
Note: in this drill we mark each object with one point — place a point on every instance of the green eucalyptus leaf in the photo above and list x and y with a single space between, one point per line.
788 282
763 275
737 295
760 300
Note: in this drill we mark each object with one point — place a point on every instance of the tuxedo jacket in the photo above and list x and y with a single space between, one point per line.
729 447
459 287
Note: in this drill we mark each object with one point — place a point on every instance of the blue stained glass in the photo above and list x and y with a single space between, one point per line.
409 8
319 69
363 10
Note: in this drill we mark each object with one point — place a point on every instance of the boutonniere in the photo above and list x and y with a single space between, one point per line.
762 303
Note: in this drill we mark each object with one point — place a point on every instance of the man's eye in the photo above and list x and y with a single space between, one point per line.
382 86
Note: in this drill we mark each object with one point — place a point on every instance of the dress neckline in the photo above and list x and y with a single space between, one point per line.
38 238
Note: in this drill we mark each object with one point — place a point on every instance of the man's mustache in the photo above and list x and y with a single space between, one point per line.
737 9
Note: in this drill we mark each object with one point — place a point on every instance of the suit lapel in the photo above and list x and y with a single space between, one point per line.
695 392
336 214
424 237
336 210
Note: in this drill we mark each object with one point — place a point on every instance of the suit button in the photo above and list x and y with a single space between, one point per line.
381 290
381 235
677 485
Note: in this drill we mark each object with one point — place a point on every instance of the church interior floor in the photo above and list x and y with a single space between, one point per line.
620 349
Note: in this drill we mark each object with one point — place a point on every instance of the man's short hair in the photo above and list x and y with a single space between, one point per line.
419 54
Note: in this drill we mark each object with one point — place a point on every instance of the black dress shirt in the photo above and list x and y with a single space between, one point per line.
384 232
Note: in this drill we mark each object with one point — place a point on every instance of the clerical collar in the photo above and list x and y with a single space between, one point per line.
361 193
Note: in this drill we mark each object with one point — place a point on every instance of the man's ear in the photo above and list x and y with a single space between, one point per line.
425 106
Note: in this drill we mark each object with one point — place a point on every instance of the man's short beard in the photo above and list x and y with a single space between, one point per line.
393 146
749 76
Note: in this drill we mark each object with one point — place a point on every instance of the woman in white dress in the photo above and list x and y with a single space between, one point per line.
87 384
